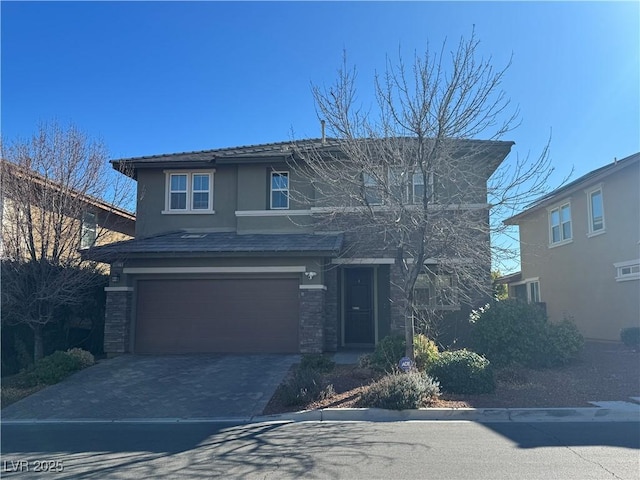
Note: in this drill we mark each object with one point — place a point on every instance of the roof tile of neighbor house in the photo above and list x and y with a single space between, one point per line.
594 175
183 242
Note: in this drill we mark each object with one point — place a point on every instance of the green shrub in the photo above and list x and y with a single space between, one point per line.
85 358
52 369
306 385
463 371
631 337
391 349
318 362
563 343
515 332
400 391
425 351
388 353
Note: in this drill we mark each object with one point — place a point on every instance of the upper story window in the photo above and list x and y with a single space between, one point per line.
88 230
279 190
372 190
403 188
189 192
596 211
560 224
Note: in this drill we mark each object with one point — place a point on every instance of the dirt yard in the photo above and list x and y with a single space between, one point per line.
603 372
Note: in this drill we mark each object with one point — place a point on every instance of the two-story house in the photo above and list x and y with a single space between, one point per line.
227 259
35 209
580 251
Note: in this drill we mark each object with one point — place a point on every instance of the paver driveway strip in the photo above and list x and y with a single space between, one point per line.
154 387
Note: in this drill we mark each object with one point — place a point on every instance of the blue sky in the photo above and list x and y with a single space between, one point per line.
163 77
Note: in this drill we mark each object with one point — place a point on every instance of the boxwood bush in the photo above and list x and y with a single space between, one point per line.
52 369
401 391
463 371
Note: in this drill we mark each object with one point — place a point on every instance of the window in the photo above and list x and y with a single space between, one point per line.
372 190
279 190
533 292
596 212
88 230
436 291
629 270
189 192
560 223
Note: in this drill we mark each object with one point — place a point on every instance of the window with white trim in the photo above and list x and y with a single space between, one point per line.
596 211
533 292
279 190
88 230
560 224
629 270
189 192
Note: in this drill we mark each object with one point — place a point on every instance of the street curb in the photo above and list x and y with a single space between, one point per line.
481 415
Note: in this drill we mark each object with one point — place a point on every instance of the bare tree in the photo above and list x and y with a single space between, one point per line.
49 184
410 171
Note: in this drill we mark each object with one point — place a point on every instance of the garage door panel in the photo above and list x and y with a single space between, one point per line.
221 315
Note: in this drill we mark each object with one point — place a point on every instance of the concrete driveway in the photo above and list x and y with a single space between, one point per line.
154 387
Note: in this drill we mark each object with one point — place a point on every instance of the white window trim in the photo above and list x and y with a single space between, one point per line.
375 184
530 282
559 208
188 210
592 232
271 189
630 276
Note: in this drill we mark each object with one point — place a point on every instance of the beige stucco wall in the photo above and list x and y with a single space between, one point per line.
577 279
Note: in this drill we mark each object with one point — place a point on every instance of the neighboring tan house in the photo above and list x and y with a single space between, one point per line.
226 260
86 223
580 251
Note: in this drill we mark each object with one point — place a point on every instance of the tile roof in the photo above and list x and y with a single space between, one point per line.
183 242
277 150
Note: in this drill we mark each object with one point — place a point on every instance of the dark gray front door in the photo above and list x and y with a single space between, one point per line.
358 304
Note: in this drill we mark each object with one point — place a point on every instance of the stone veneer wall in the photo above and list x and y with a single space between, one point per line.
331 309
117 323
312 310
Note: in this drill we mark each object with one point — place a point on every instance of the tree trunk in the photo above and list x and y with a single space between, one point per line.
38 343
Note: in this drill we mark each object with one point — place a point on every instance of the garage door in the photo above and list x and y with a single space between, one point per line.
221 315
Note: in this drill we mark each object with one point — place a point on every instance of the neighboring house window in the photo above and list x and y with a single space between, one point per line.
89 228
189 192
372 190
629 270
596 211
560 223
439 291
533 292
279 190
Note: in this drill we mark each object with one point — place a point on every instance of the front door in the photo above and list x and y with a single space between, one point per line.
358 305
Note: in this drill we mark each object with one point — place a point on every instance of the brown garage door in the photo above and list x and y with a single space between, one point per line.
221 315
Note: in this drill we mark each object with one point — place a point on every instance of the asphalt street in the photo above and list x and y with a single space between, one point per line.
349 450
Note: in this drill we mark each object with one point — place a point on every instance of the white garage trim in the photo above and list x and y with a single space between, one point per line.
118 289
164 270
